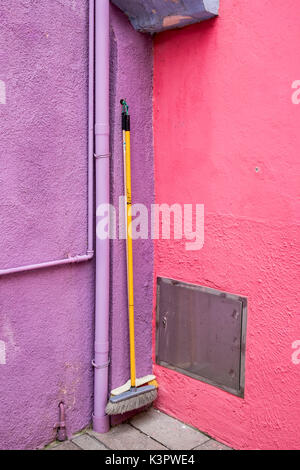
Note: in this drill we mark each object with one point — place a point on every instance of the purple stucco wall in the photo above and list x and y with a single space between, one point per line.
131 79
46 317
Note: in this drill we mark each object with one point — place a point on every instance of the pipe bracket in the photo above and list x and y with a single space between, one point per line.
103 366
105 155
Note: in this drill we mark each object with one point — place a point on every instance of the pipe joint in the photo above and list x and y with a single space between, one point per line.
102 366
105 155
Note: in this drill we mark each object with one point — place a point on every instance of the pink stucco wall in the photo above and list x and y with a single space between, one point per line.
227 135
47 316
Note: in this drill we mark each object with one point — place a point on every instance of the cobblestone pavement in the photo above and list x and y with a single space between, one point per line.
150 430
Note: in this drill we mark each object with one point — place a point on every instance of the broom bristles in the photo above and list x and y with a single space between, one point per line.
133 403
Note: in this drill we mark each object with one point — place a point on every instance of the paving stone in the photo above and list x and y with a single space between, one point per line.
212 445
67 445
126 437
169 431
86 442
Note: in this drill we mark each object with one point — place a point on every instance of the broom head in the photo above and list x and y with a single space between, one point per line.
133 399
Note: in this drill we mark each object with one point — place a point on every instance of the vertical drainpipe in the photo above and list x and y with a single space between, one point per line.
100 419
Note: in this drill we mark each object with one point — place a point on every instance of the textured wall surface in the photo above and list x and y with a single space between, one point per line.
131 78
46 317
226 134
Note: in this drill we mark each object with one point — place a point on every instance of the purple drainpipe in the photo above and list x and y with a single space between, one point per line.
101 421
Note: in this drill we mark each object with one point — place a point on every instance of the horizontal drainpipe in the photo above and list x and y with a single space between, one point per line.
100 419
47 264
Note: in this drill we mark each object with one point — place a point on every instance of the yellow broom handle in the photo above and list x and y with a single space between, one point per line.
130 261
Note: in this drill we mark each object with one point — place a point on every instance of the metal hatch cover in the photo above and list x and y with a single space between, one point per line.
201 332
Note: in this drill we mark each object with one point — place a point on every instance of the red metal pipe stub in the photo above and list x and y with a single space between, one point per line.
61 430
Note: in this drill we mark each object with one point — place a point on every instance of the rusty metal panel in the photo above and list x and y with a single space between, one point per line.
201 332
158 15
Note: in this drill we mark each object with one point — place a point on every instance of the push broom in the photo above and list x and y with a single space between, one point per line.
137 392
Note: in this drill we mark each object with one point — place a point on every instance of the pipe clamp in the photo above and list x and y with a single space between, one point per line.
106 155
103 366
